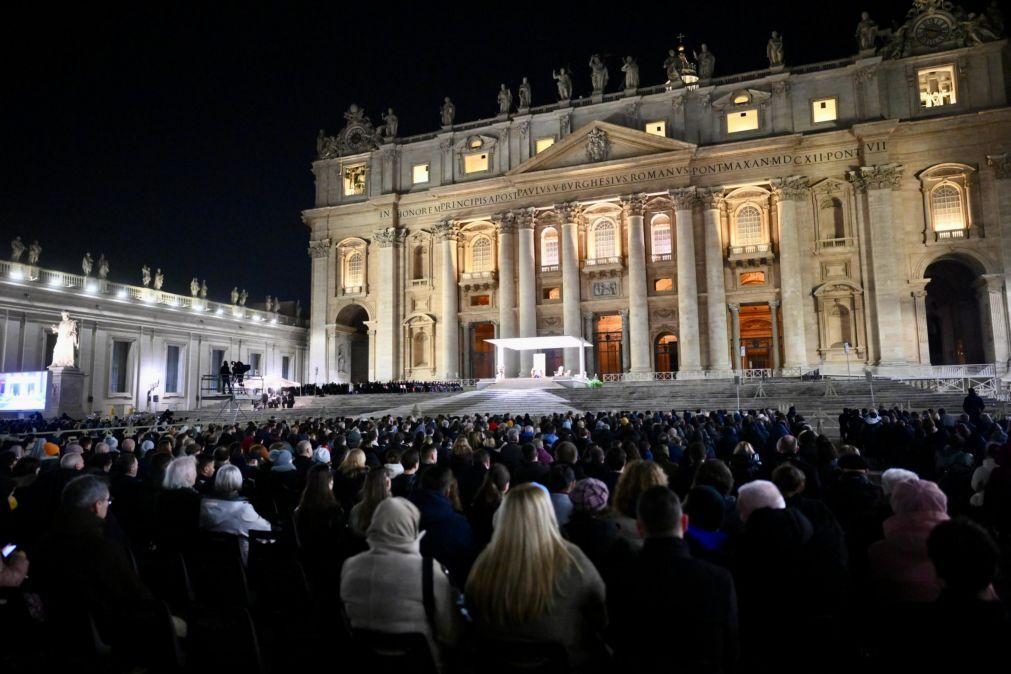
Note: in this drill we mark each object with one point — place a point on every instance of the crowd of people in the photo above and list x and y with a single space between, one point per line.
641 541
334 389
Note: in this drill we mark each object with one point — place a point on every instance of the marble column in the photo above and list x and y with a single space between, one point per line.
690 358
716 294
626 347
387 320
774 316
506 225
992 306
320 252
527 287
876 184
449 344
468 337
789 194
922 338
570 281
638 308
591 354
735 319
1001 166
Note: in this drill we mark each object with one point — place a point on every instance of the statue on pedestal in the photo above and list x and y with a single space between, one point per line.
390 130
598 74
17 249
235 295
298 310
269 304
867 32
670 67
203 290
448 112
145 276
564 84
103 267
525 93
194 287
159 279
34 251
774 50
341 360
87 263
631 70
706 61
242 297
66 341
505 100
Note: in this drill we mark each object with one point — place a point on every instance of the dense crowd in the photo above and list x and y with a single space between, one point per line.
382 387
641 541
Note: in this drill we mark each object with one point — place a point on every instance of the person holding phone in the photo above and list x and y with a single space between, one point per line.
13 566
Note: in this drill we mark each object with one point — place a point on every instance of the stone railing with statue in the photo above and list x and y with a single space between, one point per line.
155 297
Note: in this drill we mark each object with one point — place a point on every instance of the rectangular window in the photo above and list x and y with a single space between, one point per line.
937 86
552 293
354 180
419 174
480 300
285 367
657 128
743 120
663 285
118 374
823 110
255 364
172 362
542 144
475 163
752 278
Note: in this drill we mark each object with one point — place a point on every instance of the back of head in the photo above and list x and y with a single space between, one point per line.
394 524
706 507
637 477
438 478
789 479
82 493
716 474
410 459
915 496
787 445
566 452
228 480
181 473
659 513
589 496
964 556
758 494
72 461
891 477
560 478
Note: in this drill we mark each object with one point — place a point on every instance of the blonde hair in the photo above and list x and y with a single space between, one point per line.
516 578
461 446
637 477
354 461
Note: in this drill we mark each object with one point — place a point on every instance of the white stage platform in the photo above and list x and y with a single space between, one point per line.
529 383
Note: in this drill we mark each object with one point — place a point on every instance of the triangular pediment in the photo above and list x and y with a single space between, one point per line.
600 142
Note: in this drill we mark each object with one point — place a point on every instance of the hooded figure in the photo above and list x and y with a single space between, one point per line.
382 588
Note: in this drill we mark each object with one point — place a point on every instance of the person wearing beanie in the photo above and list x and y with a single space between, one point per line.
589 526
321 455
707 510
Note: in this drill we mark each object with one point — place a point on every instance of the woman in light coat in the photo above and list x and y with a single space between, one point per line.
228 513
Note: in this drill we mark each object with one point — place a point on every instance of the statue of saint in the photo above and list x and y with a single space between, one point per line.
867 32
17 249
670 67
34 251
269 304
87 263
298 310
564 84
341 361
235 295
706 61
598 74
203 290
159 279
631 70
243 296
774 50
390 130
103 267
448 112
66 341
525 93
505 100
145 275
194 286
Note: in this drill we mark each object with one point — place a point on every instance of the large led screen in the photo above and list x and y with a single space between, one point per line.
22 391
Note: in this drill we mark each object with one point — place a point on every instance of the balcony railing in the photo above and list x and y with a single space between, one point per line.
951 235
751 253
602 262
844 242
662 257
549 268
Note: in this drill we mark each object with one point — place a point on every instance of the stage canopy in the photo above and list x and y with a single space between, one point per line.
539 343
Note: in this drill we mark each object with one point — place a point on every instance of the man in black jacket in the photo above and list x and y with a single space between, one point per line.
671 612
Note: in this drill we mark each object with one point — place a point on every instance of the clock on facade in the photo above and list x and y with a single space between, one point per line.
932 31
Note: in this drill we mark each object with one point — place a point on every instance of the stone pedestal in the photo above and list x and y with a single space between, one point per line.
66 392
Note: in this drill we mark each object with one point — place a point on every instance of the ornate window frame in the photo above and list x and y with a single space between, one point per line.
470 234
413 325
549 264
346 249
740 252
743 100
825 240
476 144
656 225
849 296
423 241
596 225
960 177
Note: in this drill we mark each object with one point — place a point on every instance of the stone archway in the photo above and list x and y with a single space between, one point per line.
955 329
352 352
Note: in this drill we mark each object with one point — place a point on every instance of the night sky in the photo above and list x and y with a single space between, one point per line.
182 137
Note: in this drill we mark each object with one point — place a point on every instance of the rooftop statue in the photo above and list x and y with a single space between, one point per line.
34 251
564 84
598 74
706 61
390 128
103 267
631 70
159 279
448 112
86 264
867 32
774 50
505 100
525 93
17 249
145 275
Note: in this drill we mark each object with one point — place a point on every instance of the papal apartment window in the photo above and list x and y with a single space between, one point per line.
480 255
172 359
749 226
661 238
657 129
118 374
475 163
419 174
354 180
742 120
823 110
946 204
549 247
542 144
937 86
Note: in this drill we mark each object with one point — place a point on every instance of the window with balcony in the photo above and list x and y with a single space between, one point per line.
481 255
749 227
354 270
660 238
549 249
604 244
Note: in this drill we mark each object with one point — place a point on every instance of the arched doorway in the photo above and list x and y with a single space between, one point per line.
954 323
665 353
482 354
354 366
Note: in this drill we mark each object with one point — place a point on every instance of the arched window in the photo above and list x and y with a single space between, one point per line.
749 226
603 240
354 272
418 262
946 204
665 353
549 247
660 238
480 255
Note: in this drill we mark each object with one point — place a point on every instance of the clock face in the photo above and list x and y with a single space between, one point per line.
932 31
356 137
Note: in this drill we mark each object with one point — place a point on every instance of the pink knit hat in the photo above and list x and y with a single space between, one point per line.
915 496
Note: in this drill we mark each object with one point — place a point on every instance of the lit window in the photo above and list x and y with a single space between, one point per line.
542 144
354 180
661 238
745 120
549 247
937 86
657 129
946 203
752 278
749 226
172 361
823 110
552 293
742 99
481 255
475 143
475 163
663 285
603 240
480 300
420 174
353 277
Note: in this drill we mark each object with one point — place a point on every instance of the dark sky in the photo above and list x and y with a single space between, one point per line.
182 137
